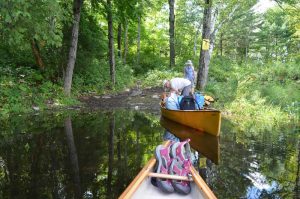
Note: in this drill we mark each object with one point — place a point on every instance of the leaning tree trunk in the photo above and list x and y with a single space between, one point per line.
111 53
73 47
37 54
172 33
205 53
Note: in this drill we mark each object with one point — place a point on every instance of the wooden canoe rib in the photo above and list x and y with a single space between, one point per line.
205 120
141 186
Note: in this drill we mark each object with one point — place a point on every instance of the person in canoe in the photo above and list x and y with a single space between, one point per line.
171 102
179 86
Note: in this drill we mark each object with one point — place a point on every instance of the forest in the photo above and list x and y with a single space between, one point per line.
52 52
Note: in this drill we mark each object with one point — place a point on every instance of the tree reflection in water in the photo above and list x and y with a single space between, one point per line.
96 155
90 155
73 157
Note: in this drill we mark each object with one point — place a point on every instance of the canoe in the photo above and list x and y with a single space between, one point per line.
206 144
206 120
141 186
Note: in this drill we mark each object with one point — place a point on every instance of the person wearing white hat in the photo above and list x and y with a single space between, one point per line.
189 72
178 84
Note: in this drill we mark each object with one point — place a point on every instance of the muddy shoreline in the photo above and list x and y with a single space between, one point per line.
137 99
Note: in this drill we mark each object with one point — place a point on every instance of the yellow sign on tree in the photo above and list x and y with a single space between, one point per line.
205 44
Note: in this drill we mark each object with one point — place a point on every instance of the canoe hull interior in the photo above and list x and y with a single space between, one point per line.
148 191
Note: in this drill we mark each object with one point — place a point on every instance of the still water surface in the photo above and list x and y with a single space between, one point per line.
97 154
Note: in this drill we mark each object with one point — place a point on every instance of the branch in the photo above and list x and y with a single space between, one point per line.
213 34
279 4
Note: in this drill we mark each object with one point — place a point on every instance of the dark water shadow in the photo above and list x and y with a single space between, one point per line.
90 155
204 143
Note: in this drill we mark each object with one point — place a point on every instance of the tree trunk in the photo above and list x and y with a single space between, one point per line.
209 33
205 53
138 41
125 42
119 39
73 47
37 54
172 33
111 53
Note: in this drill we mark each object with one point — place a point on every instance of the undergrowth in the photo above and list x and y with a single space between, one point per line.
257 97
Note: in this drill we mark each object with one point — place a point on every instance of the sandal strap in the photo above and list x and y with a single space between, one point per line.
179 149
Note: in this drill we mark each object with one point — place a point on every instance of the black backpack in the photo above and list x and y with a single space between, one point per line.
187 103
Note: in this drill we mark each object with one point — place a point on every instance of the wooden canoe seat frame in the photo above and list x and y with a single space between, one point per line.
172 177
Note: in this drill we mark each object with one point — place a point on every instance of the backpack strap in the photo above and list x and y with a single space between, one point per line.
196 101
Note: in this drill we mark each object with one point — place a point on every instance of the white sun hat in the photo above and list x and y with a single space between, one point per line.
189 62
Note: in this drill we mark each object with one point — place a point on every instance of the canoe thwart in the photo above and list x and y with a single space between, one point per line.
167 176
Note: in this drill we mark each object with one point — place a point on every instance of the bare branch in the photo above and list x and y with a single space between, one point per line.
280 4
213 34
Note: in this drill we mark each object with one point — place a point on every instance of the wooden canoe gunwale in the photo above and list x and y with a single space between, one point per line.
133 186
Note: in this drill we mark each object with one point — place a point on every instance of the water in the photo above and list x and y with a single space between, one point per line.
97 154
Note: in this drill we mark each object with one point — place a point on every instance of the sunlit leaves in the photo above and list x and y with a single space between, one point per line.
25 20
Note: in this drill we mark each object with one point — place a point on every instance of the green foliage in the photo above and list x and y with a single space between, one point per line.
155 77
124 76
255 40
149 62
96 78
256 97
23 88
223 80
93 78
253 114
27 20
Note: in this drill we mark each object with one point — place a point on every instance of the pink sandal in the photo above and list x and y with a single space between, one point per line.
181 164
164 161
182 150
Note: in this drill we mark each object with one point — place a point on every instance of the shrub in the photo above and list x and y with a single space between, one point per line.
256 96
155 77
254 114
23 87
